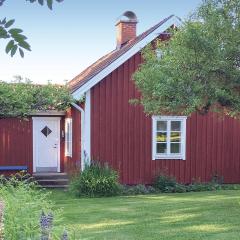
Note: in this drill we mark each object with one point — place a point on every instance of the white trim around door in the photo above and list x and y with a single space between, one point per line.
46 144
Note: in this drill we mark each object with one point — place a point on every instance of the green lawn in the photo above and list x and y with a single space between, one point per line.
186 216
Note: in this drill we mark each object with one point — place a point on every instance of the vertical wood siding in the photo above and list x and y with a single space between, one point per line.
16 143
71 163
121 134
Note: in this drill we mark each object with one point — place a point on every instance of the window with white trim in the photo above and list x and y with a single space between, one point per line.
68 137
168 137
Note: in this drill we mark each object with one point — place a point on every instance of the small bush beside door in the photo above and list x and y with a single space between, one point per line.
96 180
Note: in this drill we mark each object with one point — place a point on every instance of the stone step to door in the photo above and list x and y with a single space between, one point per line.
55 186
39 176
52 180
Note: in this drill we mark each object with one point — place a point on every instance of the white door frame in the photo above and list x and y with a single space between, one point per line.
34 119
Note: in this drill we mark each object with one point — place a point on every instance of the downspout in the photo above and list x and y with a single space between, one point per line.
81 110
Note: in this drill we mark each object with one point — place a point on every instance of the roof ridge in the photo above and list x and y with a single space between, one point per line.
110 57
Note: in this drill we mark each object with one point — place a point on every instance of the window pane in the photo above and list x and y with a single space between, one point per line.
161 148
161 125
175 137
175 148
175 126
161 137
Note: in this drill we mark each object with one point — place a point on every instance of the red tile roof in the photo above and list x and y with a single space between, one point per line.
106 60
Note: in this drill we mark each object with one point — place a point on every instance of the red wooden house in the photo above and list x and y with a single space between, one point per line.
107 128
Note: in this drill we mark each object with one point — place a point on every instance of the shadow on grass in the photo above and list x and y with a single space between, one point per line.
207 215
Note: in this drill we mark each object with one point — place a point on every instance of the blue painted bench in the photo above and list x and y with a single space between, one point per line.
13 168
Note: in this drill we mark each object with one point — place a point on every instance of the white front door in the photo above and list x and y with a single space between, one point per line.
46 144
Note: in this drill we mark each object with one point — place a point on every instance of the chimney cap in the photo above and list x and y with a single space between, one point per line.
128 16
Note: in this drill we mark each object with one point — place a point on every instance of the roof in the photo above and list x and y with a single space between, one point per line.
109 58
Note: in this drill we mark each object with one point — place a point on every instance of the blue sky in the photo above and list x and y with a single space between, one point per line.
75 34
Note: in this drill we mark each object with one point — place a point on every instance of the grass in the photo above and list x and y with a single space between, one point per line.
185 216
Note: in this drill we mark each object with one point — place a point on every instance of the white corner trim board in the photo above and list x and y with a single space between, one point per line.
87 128
136 48
82 130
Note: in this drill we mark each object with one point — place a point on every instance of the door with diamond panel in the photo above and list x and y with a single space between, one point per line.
46 144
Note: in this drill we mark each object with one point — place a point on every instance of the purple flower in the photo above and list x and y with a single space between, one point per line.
65 235
46 223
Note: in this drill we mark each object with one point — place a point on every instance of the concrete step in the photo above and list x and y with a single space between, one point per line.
52 180
39 176
55 186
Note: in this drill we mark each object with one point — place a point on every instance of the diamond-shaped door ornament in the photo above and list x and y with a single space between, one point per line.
46 131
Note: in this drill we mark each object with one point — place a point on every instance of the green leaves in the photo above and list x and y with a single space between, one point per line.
9 23
3 33
20 99
14 50
21 52
49 2
200 68
15 31
9 46
24 202
17 39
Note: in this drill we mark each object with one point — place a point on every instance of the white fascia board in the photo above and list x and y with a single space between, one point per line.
132 51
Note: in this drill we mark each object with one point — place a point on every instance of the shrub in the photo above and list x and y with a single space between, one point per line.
137 189
140 189
168 184
22 99
201 187
152 190
180 188
23 204
217 179
95 180
165 183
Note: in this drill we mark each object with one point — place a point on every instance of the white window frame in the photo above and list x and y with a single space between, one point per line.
68 137
168 155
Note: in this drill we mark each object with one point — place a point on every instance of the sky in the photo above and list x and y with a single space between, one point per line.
75 33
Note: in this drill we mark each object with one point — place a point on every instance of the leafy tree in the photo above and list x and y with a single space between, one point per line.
16 40
200 65
21 98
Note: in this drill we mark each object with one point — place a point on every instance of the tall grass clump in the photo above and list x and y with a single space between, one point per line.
96 180
24 203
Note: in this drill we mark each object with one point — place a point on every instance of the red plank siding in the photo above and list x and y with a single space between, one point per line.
16 143
71 163
121 135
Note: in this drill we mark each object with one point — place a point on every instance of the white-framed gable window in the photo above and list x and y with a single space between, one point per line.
68 137
168 137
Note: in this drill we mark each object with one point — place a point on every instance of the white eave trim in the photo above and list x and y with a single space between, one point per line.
118 62
49 113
